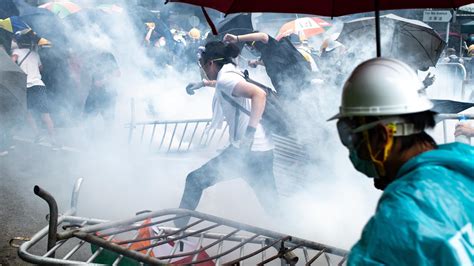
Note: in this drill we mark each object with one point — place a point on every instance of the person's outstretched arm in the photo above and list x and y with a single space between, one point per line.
251 37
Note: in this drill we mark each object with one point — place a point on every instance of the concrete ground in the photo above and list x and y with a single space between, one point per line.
122 179
118 182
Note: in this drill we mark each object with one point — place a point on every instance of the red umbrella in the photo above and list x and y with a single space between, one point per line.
330 8
304 27
61 8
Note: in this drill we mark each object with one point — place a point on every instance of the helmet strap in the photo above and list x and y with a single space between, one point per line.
391 128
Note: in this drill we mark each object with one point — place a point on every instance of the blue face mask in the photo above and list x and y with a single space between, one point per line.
364 166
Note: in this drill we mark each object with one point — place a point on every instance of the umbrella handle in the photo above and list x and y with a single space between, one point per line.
377 27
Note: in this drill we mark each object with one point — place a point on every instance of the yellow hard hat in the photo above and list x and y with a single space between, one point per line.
195 34
470 48
44 42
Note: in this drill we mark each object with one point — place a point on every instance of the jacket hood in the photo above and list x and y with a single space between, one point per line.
456 156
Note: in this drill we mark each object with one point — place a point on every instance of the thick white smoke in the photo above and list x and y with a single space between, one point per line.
331 206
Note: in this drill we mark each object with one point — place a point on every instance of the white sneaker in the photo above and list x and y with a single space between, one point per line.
55 146
39 139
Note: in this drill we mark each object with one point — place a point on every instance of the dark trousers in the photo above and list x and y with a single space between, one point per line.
256 168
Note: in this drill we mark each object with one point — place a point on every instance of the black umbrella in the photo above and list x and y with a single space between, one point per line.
236 24
8 9
411 41
450 107
12 83
43 22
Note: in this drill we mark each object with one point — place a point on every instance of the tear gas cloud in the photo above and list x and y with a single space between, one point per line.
330 207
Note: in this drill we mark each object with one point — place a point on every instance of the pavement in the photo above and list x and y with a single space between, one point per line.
119 180
21 212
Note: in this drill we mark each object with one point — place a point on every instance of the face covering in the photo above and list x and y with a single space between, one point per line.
364 166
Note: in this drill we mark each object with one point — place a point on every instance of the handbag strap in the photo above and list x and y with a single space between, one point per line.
24 58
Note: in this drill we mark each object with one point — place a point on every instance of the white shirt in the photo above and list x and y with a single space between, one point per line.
30 66
227 79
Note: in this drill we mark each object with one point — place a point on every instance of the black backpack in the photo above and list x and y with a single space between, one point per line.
274 118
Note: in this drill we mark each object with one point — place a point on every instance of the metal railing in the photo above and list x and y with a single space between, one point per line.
175 135
150 238
166 136
445 117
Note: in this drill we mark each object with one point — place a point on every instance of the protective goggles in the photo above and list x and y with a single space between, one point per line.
202 72
345 129
211 60
349 132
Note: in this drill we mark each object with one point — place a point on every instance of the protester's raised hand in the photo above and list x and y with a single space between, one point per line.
150 25
429 80
230 38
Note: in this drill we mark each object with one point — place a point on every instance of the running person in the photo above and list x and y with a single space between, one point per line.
250 154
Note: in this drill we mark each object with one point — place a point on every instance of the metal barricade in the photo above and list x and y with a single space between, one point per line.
290 161
175 135
150 238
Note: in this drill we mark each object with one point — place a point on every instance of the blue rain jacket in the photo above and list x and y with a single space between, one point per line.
426 216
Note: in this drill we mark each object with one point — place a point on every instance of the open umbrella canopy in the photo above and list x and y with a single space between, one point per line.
467 8
306 27
43 22
411 41
12 83
61 8
110 8
13 24
449 106
8 9
330 8
236 24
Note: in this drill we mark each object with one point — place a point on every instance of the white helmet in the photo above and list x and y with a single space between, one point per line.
382 87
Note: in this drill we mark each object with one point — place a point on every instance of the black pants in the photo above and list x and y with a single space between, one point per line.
256 168
100 101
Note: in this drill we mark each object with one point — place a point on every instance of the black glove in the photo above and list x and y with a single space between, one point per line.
247 140
194 86
429 80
